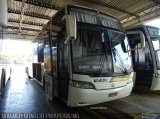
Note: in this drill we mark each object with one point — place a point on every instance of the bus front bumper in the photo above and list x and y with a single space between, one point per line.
83 97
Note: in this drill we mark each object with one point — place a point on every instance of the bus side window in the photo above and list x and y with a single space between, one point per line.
79 45
63 58
62 67
149 62
138 55
142 57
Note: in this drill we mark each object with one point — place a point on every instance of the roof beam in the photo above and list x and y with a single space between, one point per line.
10 32
139 11
29 14
23 37
21 16
28 29
39 4
145 15
112 7
26 22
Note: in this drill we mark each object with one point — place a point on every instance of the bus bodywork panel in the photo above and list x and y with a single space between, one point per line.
83 97
156 82
104 90
104 83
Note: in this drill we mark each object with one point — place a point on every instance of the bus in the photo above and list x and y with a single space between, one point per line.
87 58
146 62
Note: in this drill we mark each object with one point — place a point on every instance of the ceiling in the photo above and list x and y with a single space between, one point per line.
27 17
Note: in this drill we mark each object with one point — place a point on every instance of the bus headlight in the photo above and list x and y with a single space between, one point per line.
82 84
130 78
157 75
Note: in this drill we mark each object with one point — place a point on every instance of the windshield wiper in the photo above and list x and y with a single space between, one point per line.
102 61
101 64
121 63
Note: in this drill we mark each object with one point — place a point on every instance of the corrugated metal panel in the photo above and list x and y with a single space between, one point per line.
140 6
14 5
25 26
13 16
132 6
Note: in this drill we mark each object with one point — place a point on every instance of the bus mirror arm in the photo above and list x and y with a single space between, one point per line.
66 42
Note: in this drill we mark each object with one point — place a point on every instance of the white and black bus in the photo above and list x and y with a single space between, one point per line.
146 61
86 57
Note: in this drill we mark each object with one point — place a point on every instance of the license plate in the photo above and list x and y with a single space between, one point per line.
112 94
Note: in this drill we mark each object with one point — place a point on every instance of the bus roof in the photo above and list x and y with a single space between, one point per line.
83 14
90 16
139 26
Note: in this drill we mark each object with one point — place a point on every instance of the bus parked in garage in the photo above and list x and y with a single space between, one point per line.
146 62
86 57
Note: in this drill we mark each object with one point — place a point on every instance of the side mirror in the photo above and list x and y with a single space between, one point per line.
71 28
141 37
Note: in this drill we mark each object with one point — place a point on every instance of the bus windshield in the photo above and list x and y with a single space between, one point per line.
121 59
93 53
90 54
156 45
154 34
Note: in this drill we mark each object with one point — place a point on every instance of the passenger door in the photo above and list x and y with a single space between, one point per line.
142 61
62 67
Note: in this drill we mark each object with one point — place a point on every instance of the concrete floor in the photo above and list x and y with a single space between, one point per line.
20 96
24 97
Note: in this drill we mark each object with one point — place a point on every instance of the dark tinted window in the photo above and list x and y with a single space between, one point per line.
142 57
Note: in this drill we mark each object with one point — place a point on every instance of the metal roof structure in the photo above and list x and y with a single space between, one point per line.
28 17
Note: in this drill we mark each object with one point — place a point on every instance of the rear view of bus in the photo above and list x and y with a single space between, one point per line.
100 62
